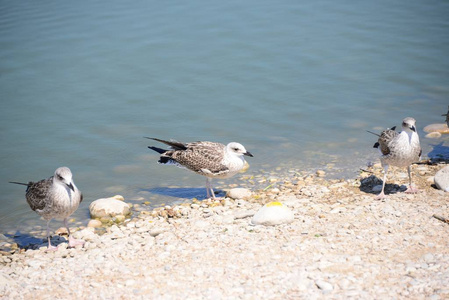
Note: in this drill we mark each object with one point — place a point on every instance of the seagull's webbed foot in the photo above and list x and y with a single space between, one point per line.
73 242
412 190
381 196
51 248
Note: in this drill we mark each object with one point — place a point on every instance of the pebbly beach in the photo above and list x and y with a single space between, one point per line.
342 243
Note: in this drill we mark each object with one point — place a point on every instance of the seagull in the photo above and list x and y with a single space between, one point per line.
55 197
447 116
210 159
399 149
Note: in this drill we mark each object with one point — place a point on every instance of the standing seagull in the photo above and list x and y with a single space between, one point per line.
447 116
55 197
400 150
213 160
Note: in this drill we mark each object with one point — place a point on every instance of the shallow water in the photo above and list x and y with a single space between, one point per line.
297 83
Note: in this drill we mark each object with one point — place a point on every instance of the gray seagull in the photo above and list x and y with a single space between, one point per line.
210 159
400 150
56 197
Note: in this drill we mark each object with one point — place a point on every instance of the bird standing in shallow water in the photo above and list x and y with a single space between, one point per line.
55 197
210 159
400 150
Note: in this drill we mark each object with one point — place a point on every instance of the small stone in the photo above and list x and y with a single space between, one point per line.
320 173
429 258
239 193
108 207
244 214
433 135
120 218
442 179
273 213
324 285
94 223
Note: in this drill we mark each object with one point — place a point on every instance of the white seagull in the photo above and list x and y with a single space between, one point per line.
210 159
55 197
400 150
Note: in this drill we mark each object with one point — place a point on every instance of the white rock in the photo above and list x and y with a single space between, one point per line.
5 281
108 207
273 213
239 193
442 179
324 285
94 223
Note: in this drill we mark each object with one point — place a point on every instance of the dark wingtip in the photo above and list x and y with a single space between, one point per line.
158 150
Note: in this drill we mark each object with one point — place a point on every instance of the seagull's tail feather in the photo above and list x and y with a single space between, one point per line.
21 183
373 133
158 150
174 144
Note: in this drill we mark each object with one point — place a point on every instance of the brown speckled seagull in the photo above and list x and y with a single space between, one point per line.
400 150
55 197
210 159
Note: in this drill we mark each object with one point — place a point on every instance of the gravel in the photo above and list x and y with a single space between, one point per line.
341 244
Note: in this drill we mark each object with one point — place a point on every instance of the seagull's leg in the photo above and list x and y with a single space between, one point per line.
207 187
382 194
411 189
50 247
72 241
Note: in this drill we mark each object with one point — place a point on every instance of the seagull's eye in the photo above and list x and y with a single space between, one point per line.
60 177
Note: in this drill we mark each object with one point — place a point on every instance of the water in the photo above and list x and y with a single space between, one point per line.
297 83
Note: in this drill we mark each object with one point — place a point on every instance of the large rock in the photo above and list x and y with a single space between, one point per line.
439 127
108 207
273 213
442 179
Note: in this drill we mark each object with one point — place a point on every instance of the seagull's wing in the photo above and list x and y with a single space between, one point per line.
205 158
37 193
385 139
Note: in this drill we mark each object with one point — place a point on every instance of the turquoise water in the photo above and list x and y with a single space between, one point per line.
296 82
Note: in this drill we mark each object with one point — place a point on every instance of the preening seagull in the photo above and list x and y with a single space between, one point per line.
56 197
210 159
400 150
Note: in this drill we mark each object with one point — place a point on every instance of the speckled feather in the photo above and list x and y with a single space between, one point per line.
200 156
385 138
37 193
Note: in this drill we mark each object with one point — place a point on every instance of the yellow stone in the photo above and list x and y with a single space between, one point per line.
274 203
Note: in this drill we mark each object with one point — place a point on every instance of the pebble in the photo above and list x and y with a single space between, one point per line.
239 193
94 223
442 179
324 285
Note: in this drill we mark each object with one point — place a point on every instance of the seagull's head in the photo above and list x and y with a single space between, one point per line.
409 124
237 149
63 176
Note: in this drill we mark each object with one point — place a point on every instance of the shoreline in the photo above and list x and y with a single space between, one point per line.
342 243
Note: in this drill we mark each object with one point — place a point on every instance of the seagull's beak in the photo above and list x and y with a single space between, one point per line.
413 128
70 185
248 154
